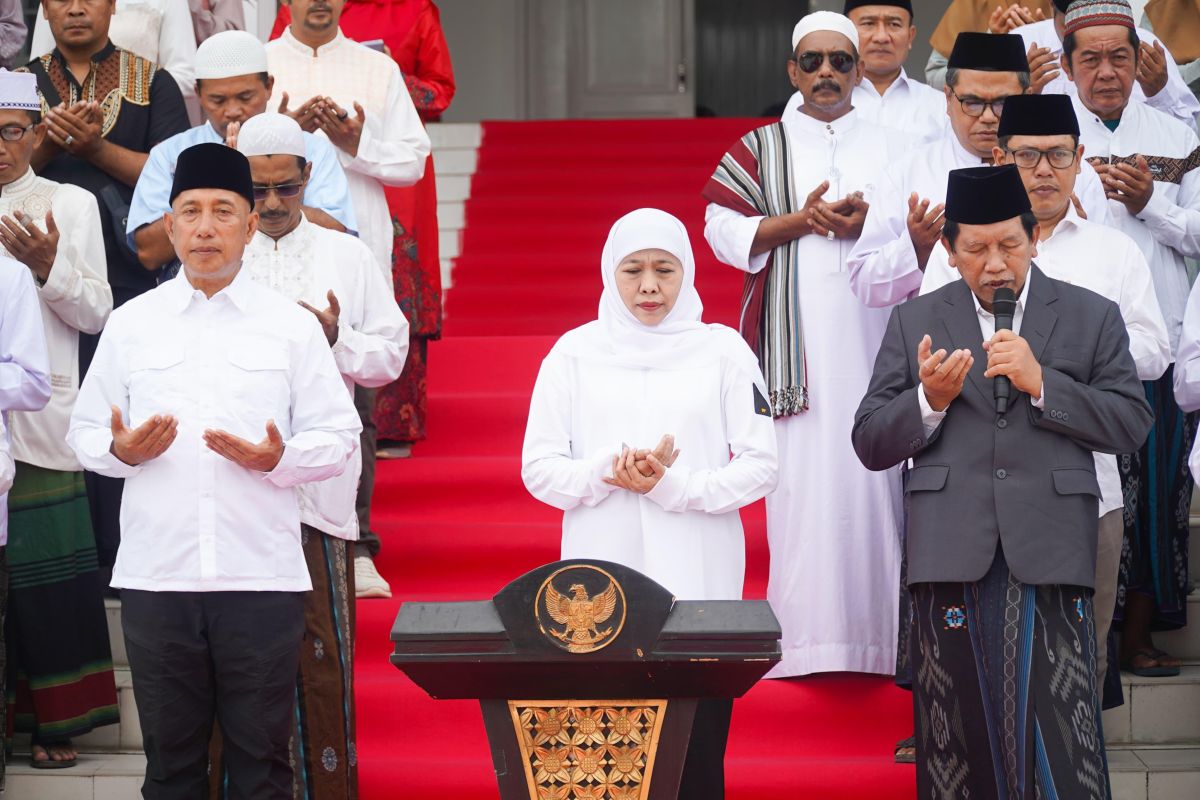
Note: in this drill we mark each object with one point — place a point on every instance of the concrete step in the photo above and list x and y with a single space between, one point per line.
452 215
455 162
1157 711
449 243
453 188
455 135
1155 773
97 776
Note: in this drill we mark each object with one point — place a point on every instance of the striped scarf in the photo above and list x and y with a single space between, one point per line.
755 179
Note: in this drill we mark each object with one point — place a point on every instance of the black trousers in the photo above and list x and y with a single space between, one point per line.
704 768
368 542
197 657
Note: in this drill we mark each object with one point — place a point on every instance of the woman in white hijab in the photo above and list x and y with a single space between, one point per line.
632 423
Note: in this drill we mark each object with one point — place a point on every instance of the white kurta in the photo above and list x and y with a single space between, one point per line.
157 30
1168 228
883 267
686 533
75 298
394 144
907 105
372 338
832 524
1109 263
1175 98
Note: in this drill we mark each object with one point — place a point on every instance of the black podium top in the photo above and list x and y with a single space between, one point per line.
585 628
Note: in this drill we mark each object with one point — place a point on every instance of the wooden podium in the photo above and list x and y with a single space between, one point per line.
588 674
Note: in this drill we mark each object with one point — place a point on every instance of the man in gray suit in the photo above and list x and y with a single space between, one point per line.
1002 507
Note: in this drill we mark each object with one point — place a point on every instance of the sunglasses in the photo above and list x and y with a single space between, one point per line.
286 191
810 61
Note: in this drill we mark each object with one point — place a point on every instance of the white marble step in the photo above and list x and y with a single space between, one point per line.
1157 710
97 776
449 243
455 135
455 162
453 188
1155 773
452 215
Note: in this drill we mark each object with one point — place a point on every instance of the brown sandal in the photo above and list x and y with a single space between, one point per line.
1159 670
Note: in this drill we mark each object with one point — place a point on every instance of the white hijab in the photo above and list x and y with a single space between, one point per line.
617 337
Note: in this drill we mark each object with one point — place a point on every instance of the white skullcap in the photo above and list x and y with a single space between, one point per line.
19 90
230 53
824 21
271 134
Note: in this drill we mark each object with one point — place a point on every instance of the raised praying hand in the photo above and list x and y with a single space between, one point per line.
148 440
328 318
261 457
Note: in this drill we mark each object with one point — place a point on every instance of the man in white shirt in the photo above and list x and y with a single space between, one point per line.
1159 82
904 225
357 98
215 394
1040 134
1149 164
333 275
234 85
831 524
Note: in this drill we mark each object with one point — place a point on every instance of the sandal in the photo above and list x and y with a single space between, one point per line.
1158 670
906 751
49 761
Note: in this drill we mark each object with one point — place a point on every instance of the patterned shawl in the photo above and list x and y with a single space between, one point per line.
755 179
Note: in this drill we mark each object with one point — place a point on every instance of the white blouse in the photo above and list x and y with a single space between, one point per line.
685 533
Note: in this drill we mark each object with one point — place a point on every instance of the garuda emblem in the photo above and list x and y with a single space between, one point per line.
589 621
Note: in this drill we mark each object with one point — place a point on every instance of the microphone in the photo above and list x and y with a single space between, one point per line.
1004 306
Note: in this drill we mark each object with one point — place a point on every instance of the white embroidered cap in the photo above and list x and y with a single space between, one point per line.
825 21
19 90
228 54
271 134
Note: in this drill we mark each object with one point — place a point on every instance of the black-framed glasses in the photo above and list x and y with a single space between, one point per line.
1030 157
285 191
973 106
14 133
810 61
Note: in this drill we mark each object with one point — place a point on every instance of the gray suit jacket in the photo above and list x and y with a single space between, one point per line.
1026 479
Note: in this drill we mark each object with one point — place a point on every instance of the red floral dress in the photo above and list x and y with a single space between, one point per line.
412 32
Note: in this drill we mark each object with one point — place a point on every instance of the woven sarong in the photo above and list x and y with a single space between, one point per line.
60 674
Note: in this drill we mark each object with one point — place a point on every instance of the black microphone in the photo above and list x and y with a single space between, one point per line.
1004 306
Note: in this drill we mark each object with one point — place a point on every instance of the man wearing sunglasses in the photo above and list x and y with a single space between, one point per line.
1040 134
833 524
905 223
368 336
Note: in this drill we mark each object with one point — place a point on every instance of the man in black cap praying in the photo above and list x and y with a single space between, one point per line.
1000 403
213 396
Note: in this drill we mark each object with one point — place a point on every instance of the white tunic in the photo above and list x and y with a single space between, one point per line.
1175 98
883 267
832 524
1109 263
372 340
192 520
686 533
1168 228
394 144
907 105
75 298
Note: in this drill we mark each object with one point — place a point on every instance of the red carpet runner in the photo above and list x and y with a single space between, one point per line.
456 522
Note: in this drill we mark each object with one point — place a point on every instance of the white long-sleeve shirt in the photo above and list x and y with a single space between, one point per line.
907 105
7 471
75 298
1168 228
1109 263
394 143
1187 359
372 340
686 532
192 520
157 30
883 265
1175 98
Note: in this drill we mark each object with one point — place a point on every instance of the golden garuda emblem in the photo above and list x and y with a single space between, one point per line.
588 620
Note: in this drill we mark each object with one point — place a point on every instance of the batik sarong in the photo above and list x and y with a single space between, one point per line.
1004 691
1157 486
59 673
324 758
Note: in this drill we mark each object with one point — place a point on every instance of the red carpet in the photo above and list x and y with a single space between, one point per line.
456 521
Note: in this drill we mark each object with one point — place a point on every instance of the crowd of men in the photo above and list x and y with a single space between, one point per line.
158 352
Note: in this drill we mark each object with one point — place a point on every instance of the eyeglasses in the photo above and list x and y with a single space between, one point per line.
284 191
810 61
973 106
14 133
1030 157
